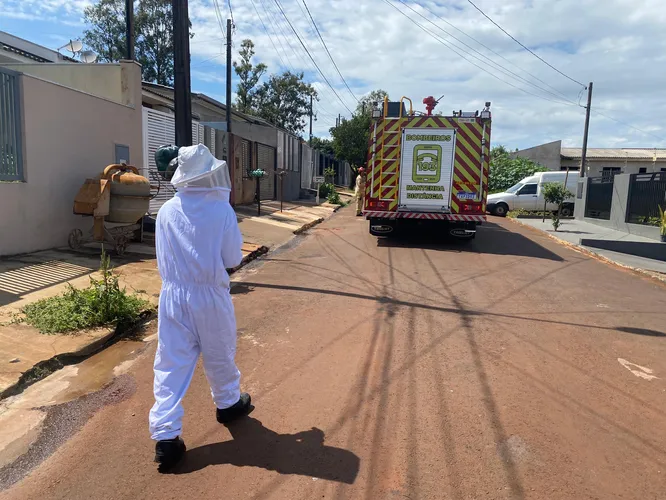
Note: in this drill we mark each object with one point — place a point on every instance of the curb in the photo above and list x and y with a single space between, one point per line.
46 367
309 225
536 217
594 255
249 258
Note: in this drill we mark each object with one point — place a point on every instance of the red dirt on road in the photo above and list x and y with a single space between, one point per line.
409 370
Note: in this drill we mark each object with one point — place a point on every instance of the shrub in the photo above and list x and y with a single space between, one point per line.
334 198
102 303
325 189
506 171
329 174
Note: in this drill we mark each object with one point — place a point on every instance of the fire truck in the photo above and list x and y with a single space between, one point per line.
427 170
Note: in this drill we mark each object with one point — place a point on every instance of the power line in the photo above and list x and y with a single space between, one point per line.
231 13
208 59
310 55
495 65
299 51
451 47
523 46
220 18
268 34
208 40
328 52
489 49
661 139
274 20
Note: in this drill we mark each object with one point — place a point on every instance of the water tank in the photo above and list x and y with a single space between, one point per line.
130 194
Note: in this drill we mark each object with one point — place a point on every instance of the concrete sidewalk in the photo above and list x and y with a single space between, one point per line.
27 278
578 233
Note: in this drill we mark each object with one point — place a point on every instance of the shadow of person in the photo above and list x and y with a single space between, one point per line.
641 331
253 445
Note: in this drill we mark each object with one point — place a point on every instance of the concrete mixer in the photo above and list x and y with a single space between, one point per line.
117 200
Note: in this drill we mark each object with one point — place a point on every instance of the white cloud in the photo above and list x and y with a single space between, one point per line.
618 44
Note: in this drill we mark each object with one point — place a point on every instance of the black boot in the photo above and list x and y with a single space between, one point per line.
169 452
242 408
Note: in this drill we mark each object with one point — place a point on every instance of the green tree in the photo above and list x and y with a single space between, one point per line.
249 75
350 140
556 193
323 145
106 35
366 102
154 45
153 34
284 100
506 171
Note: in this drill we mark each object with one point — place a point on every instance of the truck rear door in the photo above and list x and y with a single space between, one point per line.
426 169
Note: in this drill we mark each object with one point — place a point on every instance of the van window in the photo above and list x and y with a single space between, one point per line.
528 189
515 188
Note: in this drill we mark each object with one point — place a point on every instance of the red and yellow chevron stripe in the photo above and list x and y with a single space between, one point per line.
471 161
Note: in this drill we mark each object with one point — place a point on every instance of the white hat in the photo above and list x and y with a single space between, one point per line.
197 167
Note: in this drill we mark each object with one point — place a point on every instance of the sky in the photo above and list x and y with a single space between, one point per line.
440 48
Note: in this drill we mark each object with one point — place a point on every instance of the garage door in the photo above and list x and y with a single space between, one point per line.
266 161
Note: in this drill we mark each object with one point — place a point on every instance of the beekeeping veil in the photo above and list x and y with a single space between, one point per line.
199 169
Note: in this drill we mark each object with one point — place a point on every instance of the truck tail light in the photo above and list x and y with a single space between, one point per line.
376 204
471 207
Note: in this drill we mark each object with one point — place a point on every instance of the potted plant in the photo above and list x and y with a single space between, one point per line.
662 224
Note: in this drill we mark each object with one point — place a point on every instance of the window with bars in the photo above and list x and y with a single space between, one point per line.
11 144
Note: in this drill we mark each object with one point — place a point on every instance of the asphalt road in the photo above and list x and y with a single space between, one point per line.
413 370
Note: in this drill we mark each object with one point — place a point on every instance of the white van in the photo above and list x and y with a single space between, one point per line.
528 194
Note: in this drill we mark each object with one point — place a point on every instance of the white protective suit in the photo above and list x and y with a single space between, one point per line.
197 239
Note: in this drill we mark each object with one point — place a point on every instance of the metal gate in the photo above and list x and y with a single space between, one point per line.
647 193
599 197
266 162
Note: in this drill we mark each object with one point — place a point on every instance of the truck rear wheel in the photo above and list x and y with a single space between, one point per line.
463 231
382 227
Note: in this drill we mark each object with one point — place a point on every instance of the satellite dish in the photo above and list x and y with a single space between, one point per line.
88 56
73 46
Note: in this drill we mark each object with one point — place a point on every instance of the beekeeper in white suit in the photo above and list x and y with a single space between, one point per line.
197 239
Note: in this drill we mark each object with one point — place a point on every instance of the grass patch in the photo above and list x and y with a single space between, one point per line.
515 213
102 303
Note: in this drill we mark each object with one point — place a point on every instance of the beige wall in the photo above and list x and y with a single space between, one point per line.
109 81
68 137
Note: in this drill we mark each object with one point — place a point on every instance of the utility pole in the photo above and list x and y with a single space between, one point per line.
310 141
129 29
181 72
229 26
587 128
